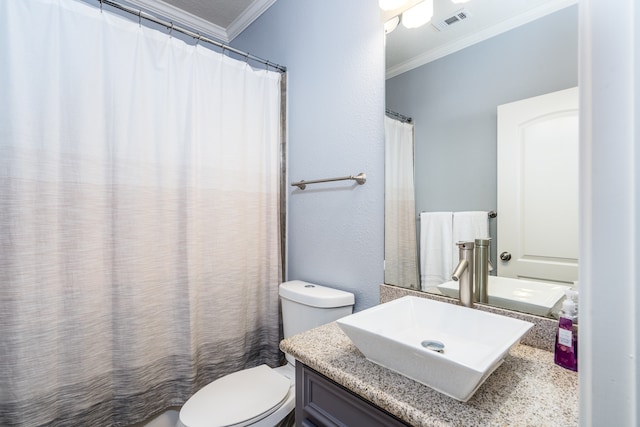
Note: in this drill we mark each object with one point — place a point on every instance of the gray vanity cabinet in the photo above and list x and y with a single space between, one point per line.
320 402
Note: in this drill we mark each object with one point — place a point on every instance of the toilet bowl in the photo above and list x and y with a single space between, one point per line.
264 396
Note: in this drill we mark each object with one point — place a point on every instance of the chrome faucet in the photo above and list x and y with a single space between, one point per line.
482 267
464 273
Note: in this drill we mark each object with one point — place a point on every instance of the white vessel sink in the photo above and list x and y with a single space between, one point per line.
540 298
394 335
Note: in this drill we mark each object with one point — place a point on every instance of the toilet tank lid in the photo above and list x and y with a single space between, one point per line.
315 295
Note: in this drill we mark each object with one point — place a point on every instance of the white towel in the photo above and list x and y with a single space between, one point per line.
468 226
436 238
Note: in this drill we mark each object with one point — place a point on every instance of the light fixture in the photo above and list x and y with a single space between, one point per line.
391 24
391 4
418 15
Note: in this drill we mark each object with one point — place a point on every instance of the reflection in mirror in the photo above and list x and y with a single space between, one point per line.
454 100
538 187
400 260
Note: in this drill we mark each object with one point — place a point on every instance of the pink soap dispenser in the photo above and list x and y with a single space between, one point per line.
566 350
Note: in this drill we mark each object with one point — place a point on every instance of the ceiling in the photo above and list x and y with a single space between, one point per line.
222 19
405 48
409 48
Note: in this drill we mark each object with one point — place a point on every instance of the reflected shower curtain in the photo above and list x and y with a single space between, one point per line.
139 182
400 258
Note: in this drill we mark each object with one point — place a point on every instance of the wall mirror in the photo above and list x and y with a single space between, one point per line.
450 76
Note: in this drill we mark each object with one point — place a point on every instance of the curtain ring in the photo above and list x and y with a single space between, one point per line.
100 6
246 58
140 18
171 29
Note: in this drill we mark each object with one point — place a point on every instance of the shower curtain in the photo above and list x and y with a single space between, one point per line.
400 258
140 254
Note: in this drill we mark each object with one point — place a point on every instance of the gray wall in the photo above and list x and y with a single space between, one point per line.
609 164
453 101
335 121
610 82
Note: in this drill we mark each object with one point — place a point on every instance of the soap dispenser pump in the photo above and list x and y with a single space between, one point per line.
566 350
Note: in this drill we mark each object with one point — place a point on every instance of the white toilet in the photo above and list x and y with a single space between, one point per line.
262 396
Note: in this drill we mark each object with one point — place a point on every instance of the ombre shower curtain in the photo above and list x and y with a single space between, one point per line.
400 257
140 250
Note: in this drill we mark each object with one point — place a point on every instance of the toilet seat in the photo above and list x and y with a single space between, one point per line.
237 399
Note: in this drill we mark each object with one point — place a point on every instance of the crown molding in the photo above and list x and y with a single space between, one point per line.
170 12
250 14
502 27
197 24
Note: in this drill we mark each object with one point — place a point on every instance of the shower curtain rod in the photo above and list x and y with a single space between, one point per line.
171 27
398 116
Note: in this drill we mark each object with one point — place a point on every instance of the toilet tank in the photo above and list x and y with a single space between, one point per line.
306 305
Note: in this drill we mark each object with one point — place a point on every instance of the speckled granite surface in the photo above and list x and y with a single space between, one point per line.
542 335
528 389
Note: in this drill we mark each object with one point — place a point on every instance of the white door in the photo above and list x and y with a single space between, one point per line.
538 188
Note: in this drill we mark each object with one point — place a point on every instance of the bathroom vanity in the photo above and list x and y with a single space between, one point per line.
336 383
322 402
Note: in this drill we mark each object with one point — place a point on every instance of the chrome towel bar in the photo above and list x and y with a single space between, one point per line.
361 178
491 214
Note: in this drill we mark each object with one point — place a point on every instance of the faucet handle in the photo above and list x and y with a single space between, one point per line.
467 246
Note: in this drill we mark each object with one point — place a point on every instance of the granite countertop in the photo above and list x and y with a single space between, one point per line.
528 389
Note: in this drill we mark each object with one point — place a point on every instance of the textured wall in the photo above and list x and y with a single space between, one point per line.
335 58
